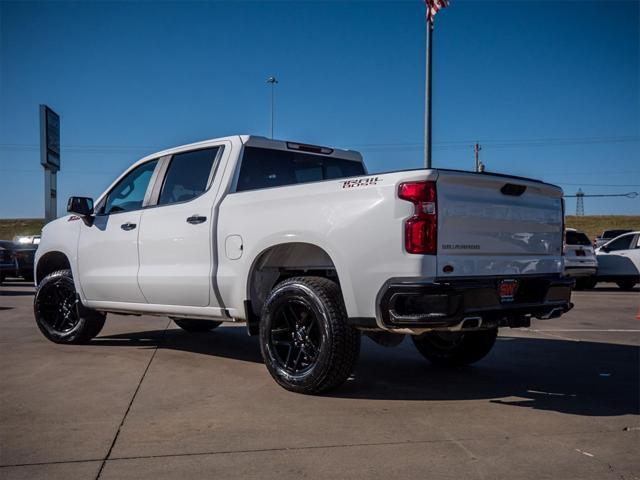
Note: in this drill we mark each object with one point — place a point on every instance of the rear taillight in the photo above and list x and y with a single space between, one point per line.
420 230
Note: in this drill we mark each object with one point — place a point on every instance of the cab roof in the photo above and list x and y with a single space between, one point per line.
262 142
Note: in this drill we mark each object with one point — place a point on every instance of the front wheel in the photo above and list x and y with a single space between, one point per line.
196 326
626 284
60 315
305 340
454 349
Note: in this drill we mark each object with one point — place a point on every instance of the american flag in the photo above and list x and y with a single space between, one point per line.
433 7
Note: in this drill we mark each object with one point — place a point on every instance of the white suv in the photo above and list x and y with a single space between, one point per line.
619 261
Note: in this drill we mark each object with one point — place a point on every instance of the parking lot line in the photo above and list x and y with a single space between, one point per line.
584 330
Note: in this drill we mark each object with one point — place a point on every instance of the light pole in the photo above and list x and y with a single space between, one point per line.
433 7
272 80
427 94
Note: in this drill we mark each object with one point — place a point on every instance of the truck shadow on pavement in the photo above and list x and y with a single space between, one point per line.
579 378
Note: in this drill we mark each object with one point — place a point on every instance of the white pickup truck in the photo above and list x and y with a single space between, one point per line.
310 251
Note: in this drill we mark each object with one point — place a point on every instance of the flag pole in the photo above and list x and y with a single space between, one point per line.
427 95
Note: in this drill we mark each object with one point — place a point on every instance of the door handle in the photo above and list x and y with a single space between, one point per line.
128 226
195 219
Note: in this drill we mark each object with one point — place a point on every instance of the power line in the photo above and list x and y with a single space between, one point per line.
496 143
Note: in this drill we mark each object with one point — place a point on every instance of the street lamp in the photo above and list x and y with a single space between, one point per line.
272 80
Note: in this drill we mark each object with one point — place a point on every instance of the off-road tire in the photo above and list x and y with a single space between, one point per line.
463 349
87 323
196 326
338 344
626 284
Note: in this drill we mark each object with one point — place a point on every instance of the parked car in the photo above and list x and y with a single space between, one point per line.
7 261
24 248
579 258
310 250
22 251
607 235
619 261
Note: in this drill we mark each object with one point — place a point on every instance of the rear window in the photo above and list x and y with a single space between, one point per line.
614 233
265 168
577 238
622 243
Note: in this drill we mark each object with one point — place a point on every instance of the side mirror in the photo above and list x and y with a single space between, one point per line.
604 249
82 206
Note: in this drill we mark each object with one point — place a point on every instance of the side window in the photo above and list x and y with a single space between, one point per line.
129 193
265 168
187 175
622 243
577 238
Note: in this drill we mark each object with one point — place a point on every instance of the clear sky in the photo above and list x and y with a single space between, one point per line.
550 89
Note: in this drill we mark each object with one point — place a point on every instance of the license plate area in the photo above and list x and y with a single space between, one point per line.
580 253
507 290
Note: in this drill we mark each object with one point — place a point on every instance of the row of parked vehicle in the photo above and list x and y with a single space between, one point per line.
614 256
16 257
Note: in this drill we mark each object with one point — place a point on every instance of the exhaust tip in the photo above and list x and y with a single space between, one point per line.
471 322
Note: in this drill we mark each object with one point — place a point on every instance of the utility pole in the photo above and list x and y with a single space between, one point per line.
272 80
476 150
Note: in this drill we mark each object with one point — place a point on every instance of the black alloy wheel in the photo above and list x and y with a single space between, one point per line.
60 315
57 305
295 336
305 340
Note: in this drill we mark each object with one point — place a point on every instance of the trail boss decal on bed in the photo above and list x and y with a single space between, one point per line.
360 182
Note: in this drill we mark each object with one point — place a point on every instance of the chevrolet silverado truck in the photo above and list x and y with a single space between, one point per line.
310 251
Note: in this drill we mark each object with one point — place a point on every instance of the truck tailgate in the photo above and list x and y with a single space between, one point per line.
494 225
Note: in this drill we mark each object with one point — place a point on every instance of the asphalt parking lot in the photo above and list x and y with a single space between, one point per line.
147 400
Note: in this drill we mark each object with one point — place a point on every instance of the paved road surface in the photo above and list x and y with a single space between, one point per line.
147 400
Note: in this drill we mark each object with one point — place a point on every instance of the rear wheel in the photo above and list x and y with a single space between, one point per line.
305 340
191 325
626 284
453 349
586 283
60 315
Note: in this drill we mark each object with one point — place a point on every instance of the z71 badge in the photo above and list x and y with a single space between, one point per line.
360 182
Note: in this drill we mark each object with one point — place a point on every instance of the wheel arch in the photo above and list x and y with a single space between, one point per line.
50 262
284 260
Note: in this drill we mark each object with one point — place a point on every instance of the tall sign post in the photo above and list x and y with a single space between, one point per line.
433 7
50 159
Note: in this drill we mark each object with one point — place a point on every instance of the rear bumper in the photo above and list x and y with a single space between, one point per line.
580 271
404 303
